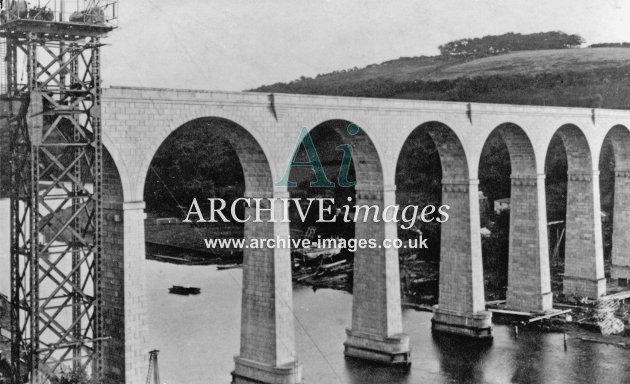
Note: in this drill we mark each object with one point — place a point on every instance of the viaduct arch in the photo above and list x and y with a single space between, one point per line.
264 131
529 282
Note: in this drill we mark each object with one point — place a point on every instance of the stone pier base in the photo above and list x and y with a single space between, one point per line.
387 350
529 302
251 372
620 274
580 286
477 325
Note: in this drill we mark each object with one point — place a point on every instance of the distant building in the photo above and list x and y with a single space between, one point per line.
167 220
501 205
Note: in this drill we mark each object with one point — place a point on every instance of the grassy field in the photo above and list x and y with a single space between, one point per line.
434 68
581 77
535 62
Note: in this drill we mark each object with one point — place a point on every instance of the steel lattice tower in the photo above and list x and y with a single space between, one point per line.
54 91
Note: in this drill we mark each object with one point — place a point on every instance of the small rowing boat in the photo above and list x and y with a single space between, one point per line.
228 266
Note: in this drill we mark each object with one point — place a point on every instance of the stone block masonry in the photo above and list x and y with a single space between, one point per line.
267 352
376 332
461 303
620 269
583 255
123 291
529 282
137 121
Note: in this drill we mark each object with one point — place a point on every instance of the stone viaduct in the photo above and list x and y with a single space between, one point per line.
264 129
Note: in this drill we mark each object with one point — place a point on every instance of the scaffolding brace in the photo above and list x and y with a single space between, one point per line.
53 88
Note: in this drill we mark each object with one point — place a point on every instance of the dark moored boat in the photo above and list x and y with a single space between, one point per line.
228 266
179 290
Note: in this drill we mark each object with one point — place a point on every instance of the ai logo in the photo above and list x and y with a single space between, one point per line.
315 163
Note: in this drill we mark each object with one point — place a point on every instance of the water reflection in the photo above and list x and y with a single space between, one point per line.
461 359
529 352
361 372
198 337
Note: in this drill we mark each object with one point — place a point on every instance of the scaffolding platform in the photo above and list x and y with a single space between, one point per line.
53 29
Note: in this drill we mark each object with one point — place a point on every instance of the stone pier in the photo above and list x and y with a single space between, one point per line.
461 305
620 270
267 353
529 281
376 332
135 327
583 255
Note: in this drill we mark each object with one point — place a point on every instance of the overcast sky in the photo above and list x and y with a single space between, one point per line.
241 44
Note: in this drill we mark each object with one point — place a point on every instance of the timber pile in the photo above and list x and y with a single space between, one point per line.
324 273
419 278
610 314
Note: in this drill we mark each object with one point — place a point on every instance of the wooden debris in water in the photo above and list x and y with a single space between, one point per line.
549 315
593 340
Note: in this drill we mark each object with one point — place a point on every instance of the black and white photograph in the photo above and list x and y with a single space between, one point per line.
314 192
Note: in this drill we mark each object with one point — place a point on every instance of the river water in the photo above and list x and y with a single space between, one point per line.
199 335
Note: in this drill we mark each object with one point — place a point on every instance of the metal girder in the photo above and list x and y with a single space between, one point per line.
56 210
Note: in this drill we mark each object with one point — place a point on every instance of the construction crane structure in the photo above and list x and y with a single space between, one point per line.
153 375
53 98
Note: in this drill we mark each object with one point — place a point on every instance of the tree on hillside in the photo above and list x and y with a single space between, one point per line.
625 44
194 161
494 45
